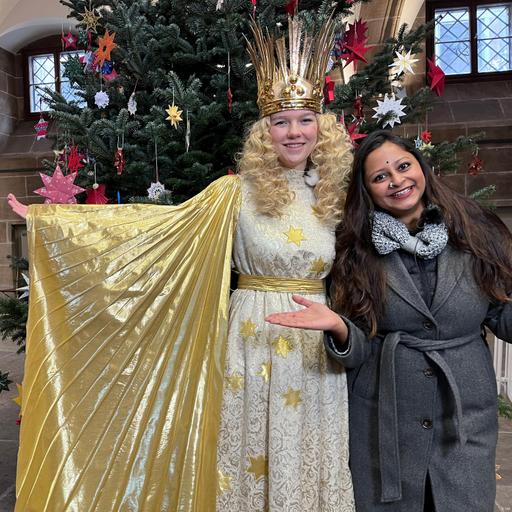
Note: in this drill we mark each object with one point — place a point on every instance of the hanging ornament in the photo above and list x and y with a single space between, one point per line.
187 134
219 5
107 70
402 63
106 45
132 104
231 172
426 136
155 190
119 161
291 7
253 2
88 60
353 131
328 90
41 128
24 289
436 77
69 41
101 99
75 159
96 194
476 166
174 115
358 108
59 189
426 148
418 143
353 43
90 19
391 109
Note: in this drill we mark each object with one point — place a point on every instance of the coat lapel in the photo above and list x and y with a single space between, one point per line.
450 267
402 284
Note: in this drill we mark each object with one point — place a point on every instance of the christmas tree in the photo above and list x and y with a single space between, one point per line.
164 90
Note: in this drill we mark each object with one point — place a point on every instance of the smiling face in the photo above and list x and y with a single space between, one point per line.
396 183
294 134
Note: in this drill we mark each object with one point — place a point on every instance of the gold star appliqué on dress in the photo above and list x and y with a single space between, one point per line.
174 115
235 381
283 346
248 329
258 467
318 266
265 371
295 236
292 398
223 482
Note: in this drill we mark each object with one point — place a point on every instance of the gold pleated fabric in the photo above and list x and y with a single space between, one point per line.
125 354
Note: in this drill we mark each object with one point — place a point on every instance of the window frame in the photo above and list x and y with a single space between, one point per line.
48 45
473 76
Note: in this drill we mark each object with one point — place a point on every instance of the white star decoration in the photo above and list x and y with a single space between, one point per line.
24 289
155 190
132 104
403 62
391 108
101 99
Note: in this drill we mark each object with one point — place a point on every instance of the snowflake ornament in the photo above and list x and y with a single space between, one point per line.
402 63
132 104
390 108
155 190
101 99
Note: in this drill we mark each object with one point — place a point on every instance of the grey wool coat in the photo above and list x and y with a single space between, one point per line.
423 394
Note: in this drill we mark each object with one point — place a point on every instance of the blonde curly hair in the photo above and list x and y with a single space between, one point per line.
331 158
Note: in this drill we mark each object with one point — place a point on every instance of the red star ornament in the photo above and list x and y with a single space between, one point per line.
59 189
75 160
96 194
354 42
69 41
105 46
353 131
436 77
476 166
328 90
41 128
426 136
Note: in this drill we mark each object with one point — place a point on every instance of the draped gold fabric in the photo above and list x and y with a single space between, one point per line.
126 340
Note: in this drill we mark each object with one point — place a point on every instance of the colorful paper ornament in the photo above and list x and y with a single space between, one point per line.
174 115
426 136
59 189
88 60
426 148
132 104
403 62
418 143
353 131
96 194
101 99
69 41
75 160
353 44
253 2
90 19
155 190
391 109
41 128
106 45
24 289
476 166
328 90
119 161
436 77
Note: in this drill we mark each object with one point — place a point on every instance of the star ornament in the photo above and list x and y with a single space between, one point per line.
59 189
41 128
174 115
101 99
435 77
69 41
24 289
90 19
155 190
105 46
403 62
390 109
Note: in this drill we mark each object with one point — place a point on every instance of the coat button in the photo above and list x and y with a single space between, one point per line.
428 372
428 325
427 424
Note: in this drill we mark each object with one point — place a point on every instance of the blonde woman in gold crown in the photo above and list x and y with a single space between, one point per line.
148 388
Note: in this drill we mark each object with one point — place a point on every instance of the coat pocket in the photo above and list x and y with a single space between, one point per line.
363 381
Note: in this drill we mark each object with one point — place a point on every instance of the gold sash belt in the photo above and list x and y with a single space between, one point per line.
280 284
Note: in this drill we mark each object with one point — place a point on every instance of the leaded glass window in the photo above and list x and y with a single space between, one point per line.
493 38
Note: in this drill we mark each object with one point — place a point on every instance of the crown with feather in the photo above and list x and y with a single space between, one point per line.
291 78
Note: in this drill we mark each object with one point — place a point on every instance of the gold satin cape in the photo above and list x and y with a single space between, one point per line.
126 337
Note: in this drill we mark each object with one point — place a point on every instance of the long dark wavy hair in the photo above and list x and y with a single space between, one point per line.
358 277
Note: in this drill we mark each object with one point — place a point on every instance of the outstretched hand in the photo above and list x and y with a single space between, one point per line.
314 316
16 206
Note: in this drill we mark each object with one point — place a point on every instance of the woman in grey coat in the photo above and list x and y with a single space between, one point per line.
420 272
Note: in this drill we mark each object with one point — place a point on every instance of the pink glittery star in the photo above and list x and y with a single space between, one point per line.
59 189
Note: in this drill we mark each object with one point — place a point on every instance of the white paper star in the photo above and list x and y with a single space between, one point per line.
155 190
132 104
25 288
403 62
391 108
101 99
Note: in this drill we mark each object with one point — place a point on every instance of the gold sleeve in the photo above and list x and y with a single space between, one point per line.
126 336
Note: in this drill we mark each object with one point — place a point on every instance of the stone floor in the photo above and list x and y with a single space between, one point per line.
12 362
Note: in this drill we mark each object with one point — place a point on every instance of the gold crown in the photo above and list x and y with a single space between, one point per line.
293 79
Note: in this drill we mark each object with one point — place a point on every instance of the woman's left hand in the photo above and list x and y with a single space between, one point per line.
314 316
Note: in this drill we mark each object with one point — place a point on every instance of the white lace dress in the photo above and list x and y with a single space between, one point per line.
283 440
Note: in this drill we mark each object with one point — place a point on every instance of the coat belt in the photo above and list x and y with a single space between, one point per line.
391 487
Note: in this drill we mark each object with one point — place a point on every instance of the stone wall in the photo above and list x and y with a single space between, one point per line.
11 94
